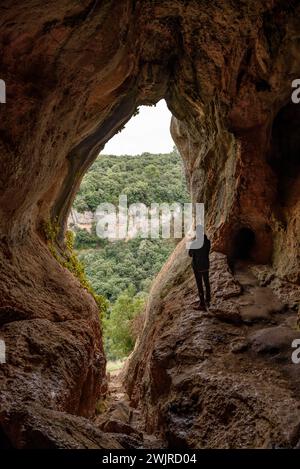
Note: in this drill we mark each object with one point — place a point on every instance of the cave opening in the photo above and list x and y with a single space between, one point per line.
84 68
142 163
243 244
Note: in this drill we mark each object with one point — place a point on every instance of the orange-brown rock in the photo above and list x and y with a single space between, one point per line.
223 378
75 73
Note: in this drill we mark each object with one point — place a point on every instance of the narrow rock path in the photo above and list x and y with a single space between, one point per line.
119 417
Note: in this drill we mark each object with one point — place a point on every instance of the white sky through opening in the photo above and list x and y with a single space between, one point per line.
149 131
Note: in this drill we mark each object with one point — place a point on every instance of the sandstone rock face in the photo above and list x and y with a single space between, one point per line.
34 427
50 325
75 73
222 378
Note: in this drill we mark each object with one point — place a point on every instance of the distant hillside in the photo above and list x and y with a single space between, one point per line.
143 178
122 271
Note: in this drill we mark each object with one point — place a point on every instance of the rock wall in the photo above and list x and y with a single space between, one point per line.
75 73
221 378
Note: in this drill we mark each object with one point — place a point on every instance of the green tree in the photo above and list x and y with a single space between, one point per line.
118 325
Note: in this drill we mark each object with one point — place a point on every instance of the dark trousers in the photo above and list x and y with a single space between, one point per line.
200 277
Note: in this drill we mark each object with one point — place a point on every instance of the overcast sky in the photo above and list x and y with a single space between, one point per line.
149 131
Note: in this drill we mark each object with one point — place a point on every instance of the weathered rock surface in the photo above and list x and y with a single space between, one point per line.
50 326
218 378
36 427
75 73
122 420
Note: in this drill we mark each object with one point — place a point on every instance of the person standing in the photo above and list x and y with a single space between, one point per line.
199 251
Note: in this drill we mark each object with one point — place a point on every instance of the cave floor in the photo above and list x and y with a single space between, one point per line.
120 417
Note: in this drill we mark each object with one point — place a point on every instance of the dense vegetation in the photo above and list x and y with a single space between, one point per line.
120 265
122 271
144 178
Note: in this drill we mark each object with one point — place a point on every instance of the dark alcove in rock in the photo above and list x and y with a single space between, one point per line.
243 244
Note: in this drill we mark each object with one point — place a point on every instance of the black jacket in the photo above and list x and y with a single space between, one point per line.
200 256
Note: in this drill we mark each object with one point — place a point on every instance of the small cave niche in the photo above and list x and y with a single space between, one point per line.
285 150
243 243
